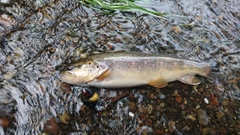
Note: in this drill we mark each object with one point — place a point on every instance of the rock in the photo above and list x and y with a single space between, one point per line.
162 104
131 114
4 122
219 115
66 87
52 127
213 100
152 96
206 131
176 29
178 99
158 132
132 106
202 117
65 118
225 102
171 126
142 109
149 109
148 122
191 117
175 93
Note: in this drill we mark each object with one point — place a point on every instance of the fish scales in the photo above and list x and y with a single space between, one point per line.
131 69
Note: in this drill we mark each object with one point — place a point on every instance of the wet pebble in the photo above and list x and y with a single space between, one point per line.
131 114
158 132
52 127
66 87
142 109
213 100
4 122
202 117
149 109
206 100
132 106
191 117
206 131
178 99
225 102
171 126
219 115
152 96
65 118
176 29
175 93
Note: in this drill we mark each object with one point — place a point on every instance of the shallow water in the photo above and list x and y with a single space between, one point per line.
37 36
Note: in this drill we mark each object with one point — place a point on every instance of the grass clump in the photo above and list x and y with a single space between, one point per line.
121 5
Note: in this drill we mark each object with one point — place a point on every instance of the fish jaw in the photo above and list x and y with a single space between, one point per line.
68 77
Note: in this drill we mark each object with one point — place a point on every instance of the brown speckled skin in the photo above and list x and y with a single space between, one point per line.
132 69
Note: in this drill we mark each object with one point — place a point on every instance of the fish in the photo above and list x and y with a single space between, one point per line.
126 69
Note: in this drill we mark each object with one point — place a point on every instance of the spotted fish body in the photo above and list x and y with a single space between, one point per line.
133 69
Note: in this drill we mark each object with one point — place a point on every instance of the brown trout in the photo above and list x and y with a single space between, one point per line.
121 70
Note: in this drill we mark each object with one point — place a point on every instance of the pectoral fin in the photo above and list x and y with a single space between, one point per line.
158 83
190 79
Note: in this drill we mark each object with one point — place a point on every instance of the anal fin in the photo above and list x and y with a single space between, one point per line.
190 79
158 83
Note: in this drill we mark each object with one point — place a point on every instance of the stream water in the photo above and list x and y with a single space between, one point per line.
37 36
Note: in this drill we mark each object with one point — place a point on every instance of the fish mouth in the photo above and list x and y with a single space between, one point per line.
67 77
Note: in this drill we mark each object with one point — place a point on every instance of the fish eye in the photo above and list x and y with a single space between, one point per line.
70 68
90 63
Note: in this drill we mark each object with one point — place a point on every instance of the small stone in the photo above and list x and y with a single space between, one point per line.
178 99
185 101
219 115
176 29
187 128
162 104
4 122
51 50
142 109
153 117
171 126
225 102
66 87
132 106
141 117
182 106
175 93
206 131
158 132
148 122
206 100
197 106
149 109
65 118
213 100
191 117
131 114
52 127
202 117
152 96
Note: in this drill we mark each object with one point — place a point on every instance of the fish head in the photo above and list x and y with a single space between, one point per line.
84 71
